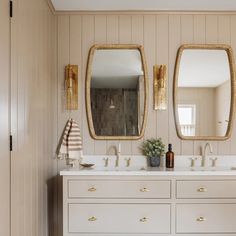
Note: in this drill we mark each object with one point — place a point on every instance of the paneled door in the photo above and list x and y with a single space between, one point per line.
4 119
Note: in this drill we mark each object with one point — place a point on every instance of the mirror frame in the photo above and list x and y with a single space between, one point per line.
229 52
88 83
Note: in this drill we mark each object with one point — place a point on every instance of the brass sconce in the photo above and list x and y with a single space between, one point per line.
71 87
159 87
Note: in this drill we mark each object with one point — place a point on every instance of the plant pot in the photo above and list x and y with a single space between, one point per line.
154 161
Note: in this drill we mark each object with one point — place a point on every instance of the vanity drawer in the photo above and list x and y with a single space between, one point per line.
119 218
206 189
118 189
205 218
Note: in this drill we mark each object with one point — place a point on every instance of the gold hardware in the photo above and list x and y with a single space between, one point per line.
128 160
92 189
93 218
144 219
143 190
159 87
106 161
201 219
71 87
202 190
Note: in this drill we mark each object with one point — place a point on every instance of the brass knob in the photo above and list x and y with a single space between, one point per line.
144 219
93 218
201 219
202 190
92 189
143 190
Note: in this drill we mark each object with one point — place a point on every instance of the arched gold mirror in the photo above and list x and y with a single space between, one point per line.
204 92
116 92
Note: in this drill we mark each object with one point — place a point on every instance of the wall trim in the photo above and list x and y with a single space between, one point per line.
51 7
144 12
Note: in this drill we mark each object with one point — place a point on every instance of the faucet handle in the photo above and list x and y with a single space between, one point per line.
106 160
128 160
193 159
213 161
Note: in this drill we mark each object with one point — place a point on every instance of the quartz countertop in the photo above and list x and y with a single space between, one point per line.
149 171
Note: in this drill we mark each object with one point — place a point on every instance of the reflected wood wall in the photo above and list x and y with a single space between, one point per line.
161 34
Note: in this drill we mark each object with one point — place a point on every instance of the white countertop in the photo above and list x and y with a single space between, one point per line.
149 171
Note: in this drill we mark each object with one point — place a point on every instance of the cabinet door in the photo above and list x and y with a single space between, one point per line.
206 218
4 120
119 218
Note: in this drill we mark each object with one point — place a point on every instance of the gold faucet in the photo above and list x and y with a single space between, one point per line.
204 153
117 153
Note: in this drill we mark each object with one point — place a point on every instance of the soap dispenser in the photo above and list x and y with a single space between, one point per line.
170 157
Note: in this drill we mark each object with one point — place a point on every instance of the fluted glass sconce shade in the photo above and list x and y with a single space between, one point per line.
159 87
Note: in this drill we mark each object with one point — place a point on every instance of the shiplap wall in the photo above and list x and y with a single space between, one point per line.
33 88
161 35
4 120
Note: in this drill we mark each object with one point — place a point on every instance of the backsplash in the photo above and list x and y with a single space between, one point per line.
161 34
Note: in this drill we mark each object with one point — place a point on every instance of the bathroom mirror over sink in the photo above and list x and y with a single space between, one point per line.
204 92
116 92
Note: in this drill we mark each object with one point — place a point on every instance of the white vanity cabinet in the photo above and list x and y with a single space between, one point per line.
149 205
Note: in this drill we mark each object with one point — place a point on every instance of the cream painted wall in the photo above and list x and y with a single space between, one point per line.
161 34
33 89
204 99
4 119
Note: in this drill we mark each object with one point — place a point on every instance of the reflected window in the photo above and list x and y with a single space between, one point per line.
187 119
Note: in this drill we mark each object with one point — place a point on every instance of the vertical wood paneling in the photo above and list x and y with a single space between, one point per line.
112 29
137 38
161 35
75 50
32 79
88 41
174 44
224 147
125 26
150 47
162 57
100 37
4 121
187 37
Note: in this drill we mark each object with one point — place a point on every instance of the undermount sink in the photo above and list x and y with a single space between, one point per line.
121 168
210 168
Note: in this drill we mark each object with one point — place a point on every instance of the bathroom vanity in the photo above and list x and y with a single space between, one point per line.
149 202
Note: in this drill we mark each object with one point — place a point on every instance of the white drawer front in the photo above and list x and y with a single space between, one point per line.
206 218
118 189
206 189
119 218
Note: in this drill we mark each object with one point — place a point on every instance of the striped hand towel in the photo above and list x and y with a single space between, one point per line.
71 145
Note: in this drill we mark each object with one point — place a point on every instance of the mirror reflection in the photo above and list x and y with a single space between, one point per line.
203 92
117 92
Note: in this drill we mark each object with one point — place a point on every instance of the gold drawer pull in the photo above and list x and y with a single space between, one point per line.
93 218
92 189
201 219
202 190
144 190
144 219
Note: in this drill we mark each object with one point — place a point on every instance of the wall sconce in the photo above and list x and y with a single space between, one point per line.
71 87
159 87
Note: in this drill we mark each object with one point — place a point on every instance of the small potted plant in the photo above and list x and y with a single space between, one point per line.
154 149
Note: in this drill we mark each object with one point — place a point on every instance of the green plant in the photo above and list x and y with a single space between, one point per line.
153 147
